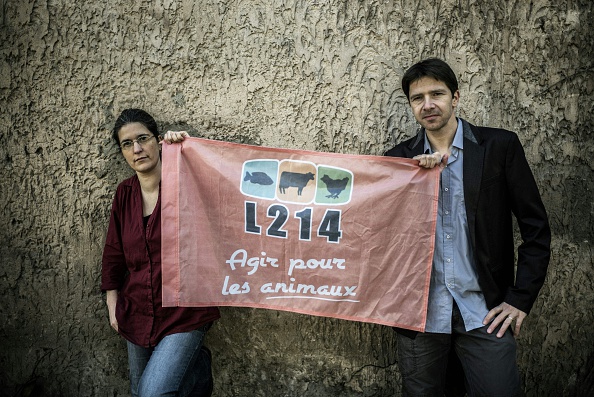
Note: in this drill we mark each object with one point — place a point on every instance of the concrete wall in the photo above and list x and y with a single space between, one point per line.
318 75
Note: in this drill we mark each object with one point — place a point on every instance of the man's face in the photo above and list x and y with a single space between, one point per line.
432 103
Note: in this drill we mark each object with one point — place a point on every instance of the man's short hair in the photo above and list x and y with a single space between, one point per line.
431 67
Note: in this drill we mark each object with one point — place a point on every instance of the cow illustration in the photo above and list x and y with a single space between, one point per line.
294 179
259 178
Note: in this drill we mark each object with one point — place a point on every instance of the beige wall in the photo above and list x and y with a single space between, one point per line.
318 75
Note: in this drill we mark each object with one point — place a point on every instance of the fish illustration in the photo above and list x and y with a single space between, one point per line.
258 178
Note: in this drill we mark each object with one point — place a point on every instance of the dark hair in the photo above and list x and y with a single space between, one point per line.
431 67
134 116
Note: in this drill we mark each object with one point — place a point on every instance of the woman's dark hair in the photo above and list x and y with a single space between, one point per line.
431 67
135 116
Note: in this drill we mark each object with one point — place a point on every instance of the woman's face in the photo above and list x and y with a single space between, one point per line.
139 147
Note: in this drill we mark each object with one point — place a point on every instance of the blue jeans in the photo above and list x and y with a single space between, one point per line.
177 366
489 363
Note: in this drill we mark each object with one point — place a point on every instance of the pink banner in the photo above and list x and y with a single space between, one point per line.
324 234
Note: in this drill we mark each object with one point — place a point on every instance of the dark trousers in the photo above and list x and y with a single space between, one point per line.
489 363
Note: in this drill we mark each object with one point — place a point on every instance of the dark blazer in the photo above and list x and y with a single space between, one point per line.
498 182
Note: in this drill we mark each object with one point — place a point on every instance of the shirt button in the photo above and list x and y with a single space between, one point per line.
446 189
448 236
447 212
448 260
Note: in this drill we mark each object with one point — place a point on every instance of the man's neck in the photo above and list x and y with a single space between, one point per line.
441 140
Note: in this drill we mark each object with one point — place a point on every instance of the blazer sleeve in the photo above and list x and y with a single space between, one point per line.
530 213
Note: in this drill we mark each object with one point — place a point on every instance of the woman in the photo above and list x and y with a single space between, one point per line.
165 350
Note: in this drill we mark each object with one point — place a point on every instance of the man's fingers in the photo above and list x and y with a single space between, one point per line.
518 323
429 160
444 161
491 315
504 316
507 322
495 323
517 327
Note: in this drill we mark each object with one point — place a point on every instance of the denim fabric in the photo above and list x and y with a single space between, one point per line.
489 362
177 366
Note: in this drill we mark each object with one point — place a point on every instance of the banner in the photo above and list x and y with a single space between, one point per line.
325 234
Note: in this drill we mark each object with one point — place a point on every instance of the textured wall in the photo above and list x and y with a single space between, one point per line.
319 75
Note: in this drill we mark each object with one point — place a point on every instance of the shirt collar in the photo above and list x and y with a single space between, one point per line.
457 143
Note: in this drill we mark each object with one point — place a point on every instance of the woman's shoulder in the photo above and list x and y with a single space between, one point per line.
126 187
129 182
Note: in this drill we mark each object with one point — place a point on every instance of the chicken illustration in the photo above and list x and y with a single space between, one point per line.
334 186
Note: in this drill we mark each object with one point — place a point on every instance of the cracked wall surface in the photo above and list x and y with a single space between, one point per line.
315 75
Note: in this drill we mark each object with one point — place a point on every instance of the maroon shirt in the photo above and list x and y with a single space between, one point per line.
132 265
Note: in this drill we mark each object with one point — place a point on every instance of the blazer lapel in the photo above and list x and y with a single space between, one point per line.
474 155
416 145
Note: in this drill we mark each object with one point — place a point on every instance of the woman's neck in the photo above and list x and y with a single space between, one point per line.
149 186
149 182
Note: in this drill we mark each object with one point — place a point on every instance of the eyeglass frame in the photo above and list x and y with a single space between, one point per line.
141 140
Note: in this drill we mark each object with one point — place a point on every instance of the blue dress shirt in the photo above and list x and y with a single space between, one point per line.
453 277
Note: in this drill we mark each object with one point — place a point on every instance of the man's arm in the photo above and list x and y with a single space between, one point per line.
533 253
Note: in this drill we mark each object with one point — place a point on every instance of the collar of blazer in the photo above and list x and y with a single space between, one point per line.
474 154
470 132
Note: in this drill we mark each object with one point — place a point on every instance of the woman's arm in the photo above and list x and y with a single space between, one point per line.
112 298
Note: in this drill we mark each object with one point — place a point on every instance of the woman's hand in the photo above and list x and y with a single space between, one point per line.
112 299
175 136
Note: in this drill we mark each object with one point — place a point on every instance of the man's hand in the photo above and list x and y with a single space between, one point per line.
506 315
431 160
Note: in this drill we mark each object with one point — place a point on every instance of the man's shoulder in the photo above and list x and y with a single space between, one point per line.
402 149
492 133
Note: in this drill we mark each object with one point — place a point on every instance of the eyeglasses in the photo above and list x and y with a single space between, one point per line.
141 140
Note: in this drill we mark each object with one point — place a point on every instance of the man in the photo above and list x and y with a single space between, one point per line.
476 306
